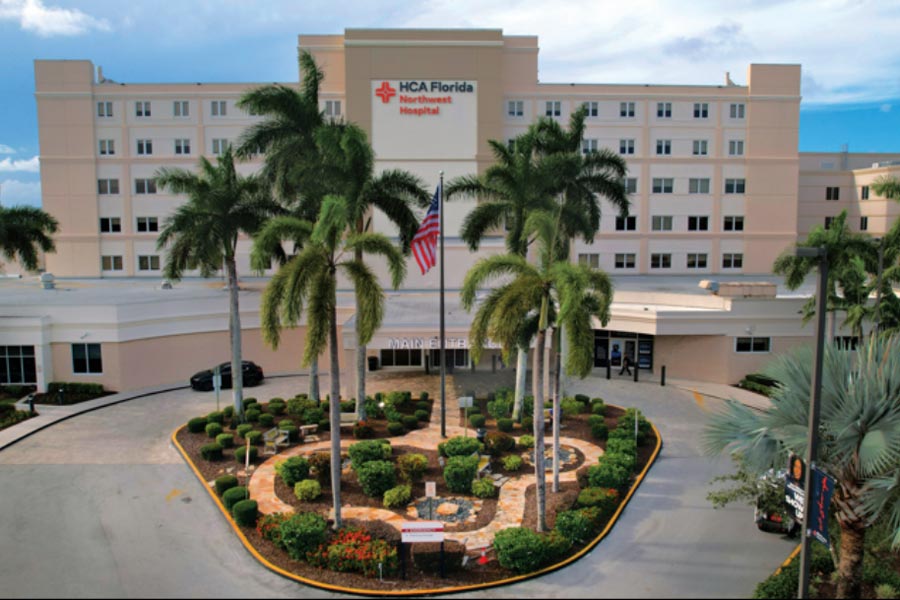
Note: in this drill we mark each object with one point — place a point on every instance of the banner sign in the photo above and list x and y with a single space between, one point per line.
794 494
822 490
421 531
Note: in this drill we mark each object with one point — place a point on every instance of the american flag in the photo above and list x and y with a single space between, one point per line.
424 243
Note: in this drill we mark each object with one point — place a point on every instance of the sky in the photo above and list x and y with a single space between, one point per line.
847 49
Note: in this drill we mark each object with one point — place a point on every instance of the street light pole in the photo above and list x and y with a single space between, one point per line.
815 402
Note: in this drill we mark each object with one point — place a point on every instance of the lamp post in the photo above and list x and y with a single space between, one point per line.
815 400
880 242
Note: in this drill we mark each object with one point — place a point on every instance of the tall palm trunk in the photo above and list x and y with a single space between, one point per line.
360 350
557 413
314 379
850 567
521 375
335 417
234 330
540 473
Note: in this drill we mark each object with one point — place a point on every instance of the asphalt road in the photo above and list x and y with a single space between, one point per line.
101 505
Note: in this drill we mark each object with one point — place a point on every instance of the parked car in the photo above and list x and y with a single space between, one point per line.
203 381
770 513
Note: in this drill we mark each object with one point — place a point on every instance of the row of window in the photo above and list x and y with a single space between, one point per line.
148 262
144 147
110 186
182 108
143 224
834 193
553 108
666 185
663 147
663 260
863 223
694 223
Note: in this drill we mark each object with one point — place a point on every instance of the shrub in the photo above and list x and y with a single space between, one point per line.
599 430
354 550
252 415
226 440
608 475
211 451
570 407
225 483
459 446
245 513
215 417
228 411
621 446
573 525
233 495
285 423
303 533
363 431
781 585
373 411
505 425
254 437
395 428
644 427
519 549
459 473
605 499
594 516
500 408
427 557
369 450
396 399
293 433
484 488
477 421
423 405
526 442
527 423
312 415
512 462
276 408
621 459
249 401
556 546
582 398
213 429
307 490
292 470
410 422
266 420
376 477
269 527
412 466
423 397
320 466
324 425
348 406
397 497
297 406
497 442
197 424
243 429
422 415
241 451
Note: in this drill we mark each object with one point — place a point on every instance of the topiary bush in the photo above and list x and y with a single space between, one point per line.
292 470
395 428
243 429
484 488
226 440
363 431
369 450
254 437
249 401
324 425
348 406
598 408
307 490
621 459
266 420
410 422
477 421
412 466
422 415
276 408
582 398
303 533
320 466
211 451
527 423
397 497
505 425
252 415
500 408
293 433
519 549
621 446
245 513
423 397
213 429
459 446
233 495
526 442
215 417
225 483
644 427
421 405
376 477
608 475
241 451
571 407
606 499
459 473
556 546
312 415
573 525
513 462
197 424
599 430
497 442
228 411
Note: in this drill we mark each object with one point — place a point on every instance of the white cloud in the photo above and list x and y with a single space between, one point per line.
30 165
47 21
4 149
20 193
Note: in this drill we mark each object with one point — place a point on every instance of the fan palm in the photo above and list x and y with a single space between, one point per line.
859 437
203 233
23 231
307 284
889 187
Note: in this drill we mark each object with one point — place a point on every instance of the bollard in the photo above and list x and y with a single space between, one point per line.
662 379
608 369
636 369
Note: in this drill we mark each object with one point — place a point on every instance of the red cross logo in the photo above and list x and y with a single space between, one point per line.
385 92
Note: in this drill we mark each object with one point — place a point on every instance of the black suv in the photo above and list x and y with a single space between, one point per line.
203 381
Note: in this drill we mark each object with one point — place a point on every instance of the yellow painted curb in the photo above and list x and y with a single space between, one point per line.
789 559
427 592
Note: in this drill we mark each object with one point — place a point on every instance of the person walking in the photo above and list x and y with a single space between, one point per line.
626 365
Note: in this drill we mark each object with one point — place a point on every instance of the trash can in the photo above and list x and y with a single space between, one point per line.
373 363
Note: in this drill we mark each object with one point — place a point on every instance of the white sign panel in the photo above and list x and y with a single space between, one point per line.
421 531
430 489
466 401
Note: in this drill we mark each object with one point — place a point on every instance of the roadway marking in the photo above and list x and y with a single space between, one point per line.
698 398
175 492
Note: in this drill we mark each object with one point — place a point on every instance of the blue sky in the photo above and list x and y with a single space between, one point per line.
851 63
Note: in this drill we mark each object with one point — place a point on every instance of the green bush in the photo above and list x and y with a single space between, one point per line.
297 406
459 446
484 488
211 451
644 427
228 411
422 405
598 408
324 425
226 440
410 422
412 466
422 415
556 546
459 473
497 442
397 497
293 433
477 421
225 483
594 419
885 591
276 408
243 429
505 425
348 406
241 451
526 442
519 549
782 585
606 499
320 466
292 470
266 420
527 423
245 513
500 408
363 431
285 423
376 477
570 407
373 411
599 430
254 437
573 525
249 401
369 450
582 398
395 428
233 495
621 459
623 446
215 417
608 475
197 424
312 415
423 397
87 389
307 490
252 415
513 462
213 429
303 533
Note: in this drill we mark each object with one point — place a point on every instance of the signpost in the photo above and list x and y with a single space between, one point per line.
466 402
414 532
430 492
217 384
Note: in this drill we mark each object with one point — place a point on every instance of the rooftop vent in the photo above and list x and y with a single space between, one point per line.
48 281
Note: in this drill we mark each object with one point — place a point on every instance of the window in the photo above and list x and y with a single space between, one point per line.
147 224
107 186
515 108
402 357
701 110
144 186
148 263
218 108
144 147
660 261
104 109
864 192
593 108
628 223
732 260
832 193
733 223
736 111
107 147
455 358
553 108
663 147
752 344
625 261
700 148
698 223
735 147
828 222
17 364
631 185
864 223
332 108
626 109
663 185
734 186
181 108
661 223
590 260
111 263
142 109
664 110
86 358
219 145
110 225
588 146
698 186
696 261
183 146
626 146
846 342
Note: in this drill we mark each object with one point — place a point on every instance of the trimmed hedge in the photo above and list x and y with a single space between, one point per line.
293 433
197 424
241 451
397 497
376 477
505 425
245 513
497 442
513 462
477 421
422 415
410 422
292 470
395 428
484 488
606 499
459 473
252 415
608 475
225 483
215 417
307 490
459 446
226 440
303 533
526 442
598 408
211 451
519 549
363 431
243 429
254 437
276 408
412 466
572 524
423 405
213 429
233 495
266 420
367 451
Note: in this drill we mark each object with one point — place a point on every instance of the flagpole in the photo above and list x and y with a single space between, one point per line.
443 358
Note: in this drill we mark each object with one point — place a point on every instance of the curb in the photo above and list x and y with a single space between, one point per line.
429 592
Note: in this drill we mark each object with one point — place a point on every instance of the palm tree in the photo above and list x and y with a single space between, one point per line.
307 284
889 187
203 233
859 443
24 230
529 290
